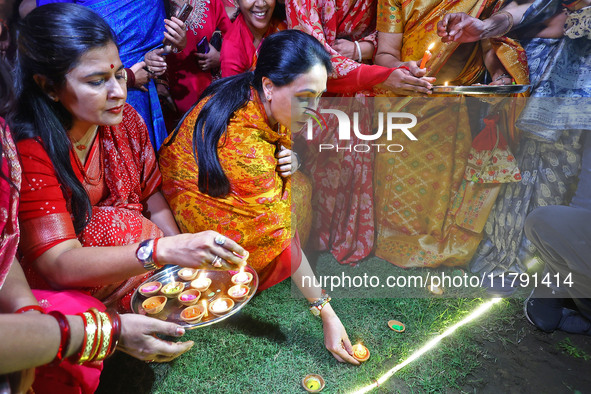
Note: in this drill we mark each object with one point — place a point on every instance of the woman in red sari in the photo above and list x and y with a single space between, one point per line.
89 175
189 72
254 22
37 338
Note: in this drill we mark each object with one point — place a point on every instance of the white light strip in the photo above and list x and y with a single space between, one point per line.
430 345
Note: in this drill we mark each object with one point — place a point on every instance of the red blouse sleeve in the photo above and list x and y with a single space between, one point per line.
236 55
44 216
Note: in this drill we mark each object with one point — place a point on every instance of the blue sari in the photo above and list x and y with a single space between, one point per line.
139 27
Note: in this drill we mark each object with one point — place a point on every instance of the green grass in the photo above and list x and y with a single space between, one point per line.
566 346
274 342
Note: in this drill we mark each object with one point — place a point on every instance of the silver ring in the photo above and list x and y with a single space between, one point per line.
216 260
220 240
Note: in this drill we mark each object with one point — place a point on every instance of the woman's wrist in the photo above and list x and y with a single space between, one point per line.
76 335
497 25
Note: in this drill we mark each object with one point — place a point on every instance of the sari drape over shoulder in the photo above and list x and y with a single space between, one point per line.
120 174
422 192
257 211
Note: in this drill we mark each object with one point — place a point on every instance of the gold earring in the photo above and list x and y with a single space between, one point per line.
53 98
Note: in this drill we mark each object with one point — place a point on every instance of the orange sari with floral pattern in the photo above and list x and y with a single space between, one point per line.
421 193
257 211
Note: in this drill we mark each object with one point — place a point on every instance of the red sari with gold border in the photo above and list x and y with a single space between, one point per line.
120 174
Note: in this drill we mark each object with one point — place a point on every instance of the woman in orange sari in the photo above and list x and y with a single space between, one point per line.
228 166
428 213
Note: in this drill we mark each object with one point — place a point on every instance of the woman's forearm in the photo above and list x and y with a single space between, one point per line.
158 211
15 293
34 340
69 265
304 275
505 20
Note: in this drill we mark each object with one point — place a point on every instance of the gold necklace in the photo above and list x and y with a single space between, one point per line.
82 144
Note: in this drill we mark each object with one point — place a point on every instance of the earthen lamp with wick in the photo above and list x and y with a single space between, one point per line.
360 353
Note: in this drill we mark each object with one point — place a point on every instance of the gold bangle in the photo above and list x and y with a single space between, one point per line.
98 339
91 332
106 329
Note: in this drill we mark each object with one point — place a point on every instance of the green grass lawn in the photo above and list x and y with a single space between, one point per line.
275 341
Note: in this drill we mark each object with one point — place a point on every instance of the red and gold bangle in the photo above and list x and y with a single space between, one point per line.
98 337
105 330
30 308
154 258
64 336
90 333
116 334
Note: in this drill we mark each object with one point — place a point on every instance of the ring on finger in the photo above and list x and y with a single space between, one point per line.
216 260
220 240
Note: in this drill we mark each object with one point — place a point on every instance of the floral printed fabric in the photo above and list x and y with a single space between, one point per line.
257 212
578 24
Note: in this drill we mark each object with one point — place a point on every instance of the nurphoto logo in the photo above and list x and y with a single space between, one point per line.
395 122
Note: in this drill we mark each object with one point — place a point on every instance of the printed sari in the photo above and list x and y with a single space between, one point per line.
119 175
9 200
554 124
423 194
257 211
342 194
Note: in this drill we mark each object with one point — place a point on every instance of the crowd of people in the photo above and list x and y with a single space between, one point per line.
158 138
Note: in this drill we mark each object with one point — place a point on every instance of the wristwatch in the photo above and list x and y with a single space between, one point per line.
145 255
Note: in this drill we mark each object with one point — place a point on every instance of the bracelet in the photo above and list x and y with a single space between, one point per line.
505 75
105 329
154 258
509 18
116 333
360 58
65 335
90 333
130 77
316 306
30 308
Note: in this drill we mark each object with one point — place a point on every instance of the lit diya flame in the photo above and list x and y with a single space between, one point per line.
427 55
201 283
219 306
445 84
360 352
241 276
240 291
